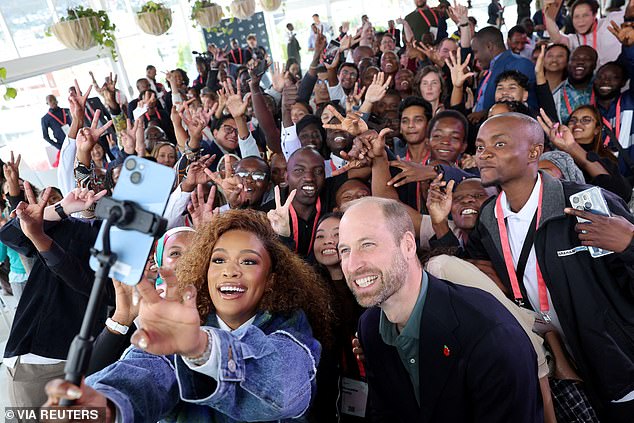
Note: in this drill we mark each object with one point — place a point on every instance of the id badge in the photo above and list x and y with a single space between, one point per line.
139 111
542 325
66 129
354 396
434 31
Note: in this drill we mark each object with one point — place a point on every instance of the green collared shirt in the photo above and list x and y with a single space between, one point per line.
407 341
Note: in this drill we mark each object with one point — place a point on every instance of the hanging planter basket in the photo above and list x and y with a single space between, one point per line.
243 9
76 34
155 23
209 17
270 5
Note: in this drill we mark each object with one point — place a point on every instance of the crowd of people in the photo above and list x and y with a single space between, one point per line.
384 234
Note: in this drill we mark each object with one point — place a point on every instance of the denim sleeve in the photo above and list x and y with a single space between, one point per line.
261 377
142 386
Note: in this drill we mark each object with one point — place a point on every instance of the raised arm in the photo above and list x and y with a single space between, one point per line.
549 8
262 112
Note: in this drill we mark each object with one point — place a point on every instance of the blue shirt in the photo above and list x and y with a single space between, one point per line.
505 61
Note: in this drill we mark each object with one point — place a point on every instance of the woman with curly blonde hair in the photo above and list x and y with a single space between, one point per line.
253 359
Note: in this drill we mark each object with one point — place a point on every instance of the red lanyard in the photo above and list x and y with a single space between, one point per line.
567 100
425 17
594 36
617 125
486 79
392 31
508 257
408 158
296 226
234 56
64 114
92 112
360 365
147 116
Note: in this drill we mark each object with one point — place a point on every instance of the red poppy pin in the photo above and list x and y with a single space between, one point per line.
446 351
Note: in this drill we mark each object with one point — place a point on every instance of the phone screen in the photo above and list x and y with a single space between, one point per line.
331 51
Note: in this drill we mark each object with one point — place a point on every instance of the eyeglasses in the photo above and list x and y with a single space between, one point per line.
586 120
229 129
349 73
256 176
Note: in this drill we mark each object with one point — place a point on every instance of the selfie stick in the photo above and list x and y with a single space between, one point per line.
125 215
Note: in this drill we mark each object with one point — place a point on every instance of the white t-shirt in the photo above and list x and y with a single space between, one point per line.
607 45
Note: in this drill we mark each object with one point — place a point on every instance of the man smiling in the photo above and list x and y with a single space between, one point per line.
577 89
434 351
548 271
306 174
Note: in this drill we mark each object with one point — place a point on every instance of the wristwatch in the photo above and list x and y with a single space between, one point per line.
60 211
117 327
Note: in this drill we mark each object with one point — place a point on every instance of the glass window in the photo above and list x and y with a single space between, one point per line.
27 21
6 53
21 117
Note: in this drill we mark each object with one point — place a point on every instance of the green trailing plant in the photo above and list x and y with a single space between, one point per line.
198 5
161 12
103 34
10 92
151 7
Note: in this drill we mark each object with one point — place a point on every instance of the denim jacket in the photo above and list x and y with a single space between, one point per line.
267 373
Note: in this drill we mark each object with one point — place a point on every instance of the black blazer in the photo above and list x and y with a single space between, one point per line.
476 363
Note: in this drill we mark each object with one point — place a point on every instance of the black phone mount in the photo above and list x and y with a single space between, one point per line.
125 215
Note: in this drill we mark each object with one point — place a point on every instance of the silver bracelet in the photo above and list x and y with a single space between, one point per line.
201 359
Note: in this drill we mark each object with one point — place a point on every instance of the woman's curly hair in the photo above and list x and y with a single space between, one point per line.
293 284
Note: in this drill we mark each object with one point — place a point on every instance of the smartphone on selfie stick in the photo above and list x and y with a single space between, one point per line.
132 220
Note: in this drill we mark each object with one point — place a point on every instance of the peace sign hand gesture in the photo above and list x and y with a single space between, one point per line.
196 174
231 184
129 136
87 137
78 103
12 174
459 13
279 216
560 135
201 211
364 150
352 123
354 98
31 213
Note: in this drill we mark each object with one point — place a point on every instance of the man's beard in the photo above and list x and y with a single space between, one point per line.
390 280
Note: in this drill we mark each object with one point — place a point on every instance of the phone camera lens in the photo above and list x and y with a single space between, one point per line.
130 164
587 205
135 177
575 200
